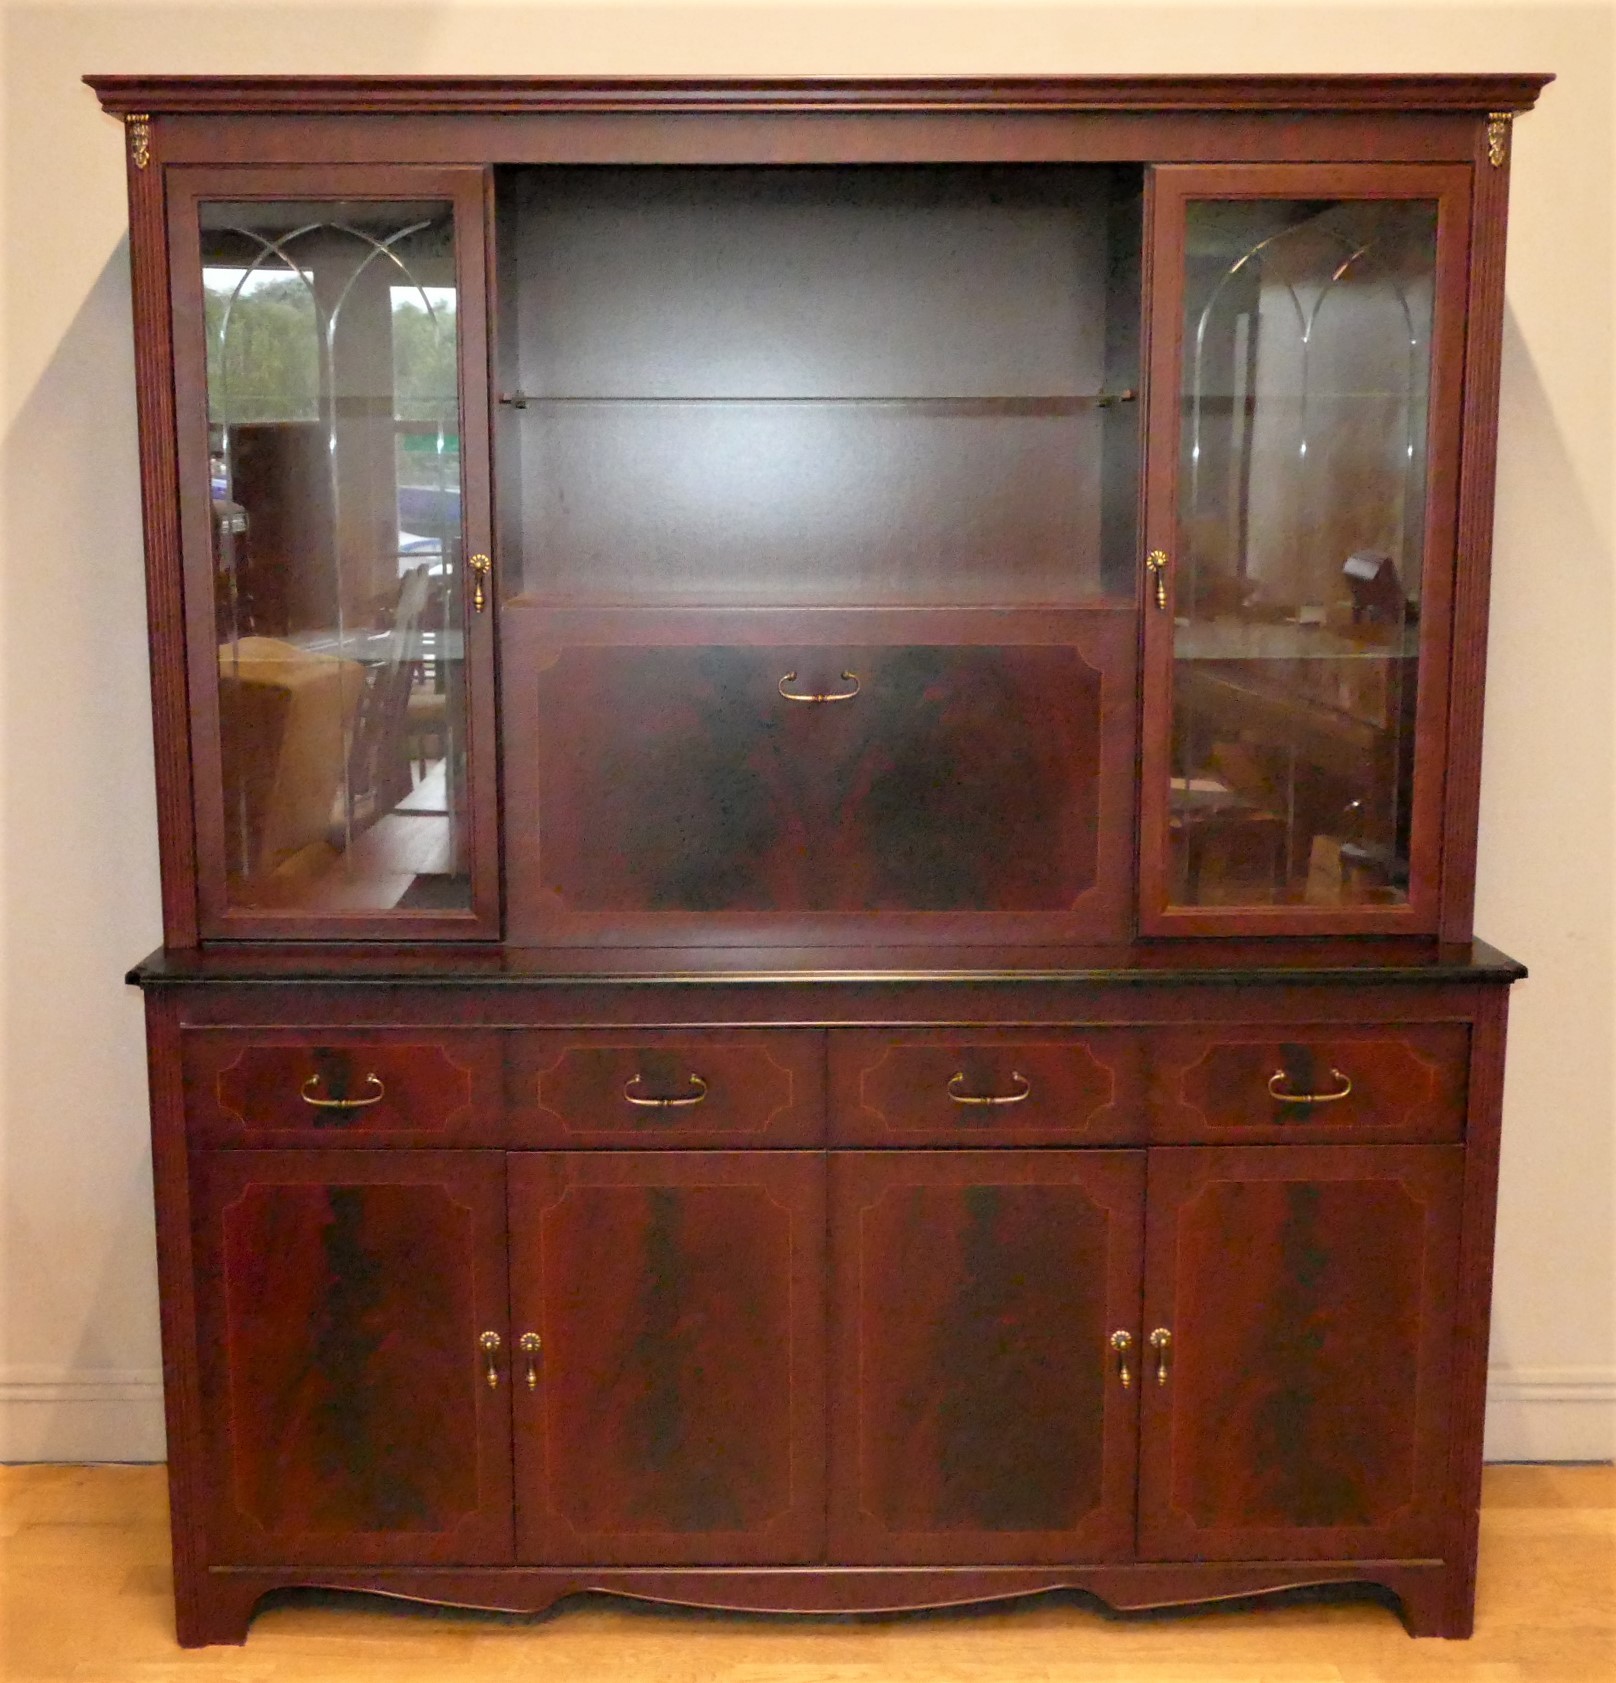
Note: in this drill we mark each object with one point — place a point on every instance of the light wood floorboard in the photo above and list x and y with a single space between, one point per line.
84 1597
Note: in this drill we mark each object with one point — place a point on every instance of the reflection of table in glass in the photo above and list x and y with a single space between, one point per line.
1298 735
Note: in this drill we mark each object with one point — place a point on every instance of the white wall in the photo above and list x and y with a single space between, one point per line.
78 1318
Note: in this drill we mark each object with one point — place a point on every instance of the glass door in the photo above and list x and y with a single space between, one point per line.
1307 327
329 330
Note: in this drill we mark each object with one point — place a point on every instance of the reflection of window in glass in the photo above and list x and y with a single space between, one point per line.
426 413
334 462
263 345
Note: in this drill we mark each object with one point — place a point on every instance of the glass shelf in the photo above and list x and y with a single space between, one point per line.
985 405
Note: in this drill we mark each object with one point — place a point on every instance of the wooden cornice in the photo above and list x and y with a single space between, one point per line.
446 95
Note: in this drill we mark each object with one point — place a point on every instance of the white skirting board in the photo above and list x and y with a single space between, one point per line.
1533 1414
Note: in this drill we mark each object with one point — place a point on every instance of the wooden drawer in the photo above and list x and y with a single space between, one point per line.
980 1086
312 1086
651 1087
1397 1082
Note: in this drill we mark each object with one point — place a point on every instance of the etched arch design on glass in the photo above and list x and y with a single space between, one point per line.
359 514
1354 267
1306 368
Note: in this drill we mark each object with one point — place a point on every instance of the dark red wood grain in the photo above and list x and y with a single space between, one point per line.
753 1089
1309 1294
1407 1083
978 1412
252 1087
904 1088
678 1411
343 1297
967 788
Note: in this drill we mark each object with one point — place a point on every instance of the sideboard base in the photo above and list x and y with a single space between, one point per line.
223 1600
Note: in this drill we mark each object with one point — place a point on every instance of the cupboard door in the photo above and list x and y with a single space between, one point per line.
1299 1408
673 1407
331 400
343 1300
979 1409
1307 358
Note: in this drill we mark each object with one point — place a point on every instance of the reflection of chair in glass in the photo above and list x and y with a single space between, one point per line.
285 718
379 766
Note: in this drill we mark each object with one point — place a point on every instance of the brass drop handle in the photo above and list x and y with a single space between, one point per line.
820 695
528 1344
1161 1341
1278 1080
643 1099
1156 566
1122 1343
481 566
371 1080
489 1345
1017 1080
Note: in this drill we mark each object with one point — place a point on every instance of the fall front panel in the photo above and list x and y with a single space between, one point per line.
818 792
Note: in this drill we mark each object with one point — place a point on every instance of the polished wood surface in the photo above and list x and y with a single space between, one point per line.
86 1600
343 1298
985 1086
676 1410
978 1411
1300 1407
305 1087
657 1088
972 785
1251 1085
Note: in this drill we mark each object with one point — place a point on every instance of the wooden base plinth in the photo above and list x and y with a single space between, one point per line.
219 1605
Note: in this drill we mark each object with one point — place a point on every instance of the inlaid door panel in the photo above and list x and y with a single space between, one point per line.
662 1087
985 1086
1397 1082
979 1409
820 792
673 1407
325 1087
1298 1408
344 1299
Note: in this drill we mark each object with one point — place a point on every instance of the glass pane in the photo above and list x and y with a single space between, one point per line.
334 458
1306 373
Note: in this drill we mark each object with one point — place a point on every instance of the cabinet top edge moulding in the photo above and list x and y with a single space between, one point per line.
125 95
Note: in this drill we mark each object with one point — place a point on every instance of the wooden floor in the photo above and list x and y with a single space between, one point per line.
85 1597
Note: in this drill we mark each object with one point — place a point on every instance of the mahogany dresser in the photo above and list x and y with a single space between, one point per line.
818 749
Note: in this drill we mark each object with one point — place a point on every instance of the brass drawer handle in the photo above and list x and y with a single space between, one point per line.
528 1344
1161 1341
489 1345
645 1100
371 1080
1122 1343
956 1080
823 695
1277 1080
